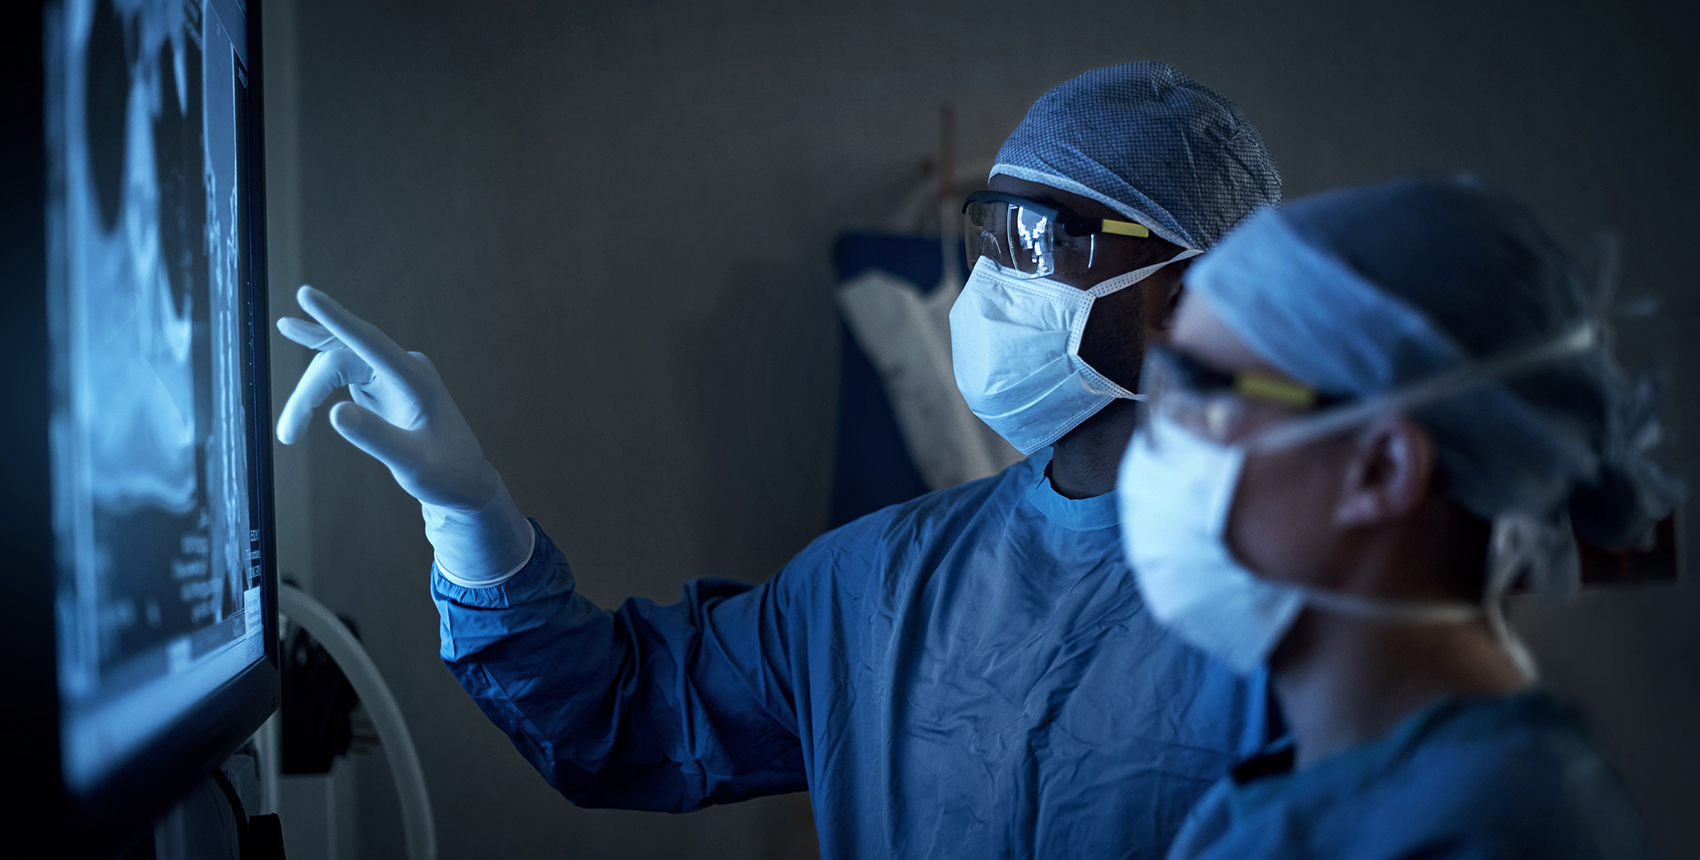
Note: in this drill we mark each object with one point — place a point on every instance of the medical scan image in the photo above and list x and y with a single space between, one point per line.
153 433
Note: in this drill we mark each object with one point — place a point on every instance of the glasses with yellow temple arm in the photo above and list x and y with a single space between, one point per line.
1033 240
1215 402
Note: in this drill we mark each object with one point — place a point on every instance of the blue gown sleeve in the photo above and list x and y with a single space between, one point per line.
668 708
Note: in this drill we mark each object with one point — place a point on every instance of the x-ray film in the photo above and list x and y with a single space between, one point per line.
153 434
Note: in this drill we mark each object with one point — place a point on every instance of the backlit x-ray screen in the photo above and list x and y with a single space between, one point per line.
153 433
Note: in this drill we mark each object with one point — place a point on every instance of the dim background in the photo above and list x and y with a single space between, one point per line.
610 226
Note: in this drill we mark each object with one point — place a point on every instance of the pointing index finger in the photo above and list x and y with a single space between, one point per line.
363 338
310 335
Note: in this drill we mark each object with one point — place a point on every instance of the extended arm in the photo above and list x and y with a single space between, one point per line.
647 707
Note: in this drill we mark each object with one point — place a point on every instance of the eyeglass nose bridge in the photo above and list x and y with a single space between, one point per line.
986 244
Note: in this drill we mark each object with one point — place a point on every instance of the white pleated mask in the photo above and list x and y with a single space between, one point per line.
1176 490
1015 349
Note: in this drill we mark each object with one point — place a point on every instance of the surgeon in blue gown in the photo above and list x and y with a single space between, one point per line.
968 674
1381 409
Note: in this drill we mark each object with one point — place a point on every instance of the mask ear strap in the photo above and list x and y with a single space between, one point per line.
1123 281
1091 379
1519 543
1573 341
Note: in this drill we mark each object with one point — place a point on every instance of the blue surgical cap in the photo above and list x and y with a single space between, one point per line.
1151 143
1359 291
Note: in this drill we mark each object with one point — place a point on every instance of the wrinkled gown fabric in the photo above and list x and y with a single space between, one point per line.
968 674
1481 778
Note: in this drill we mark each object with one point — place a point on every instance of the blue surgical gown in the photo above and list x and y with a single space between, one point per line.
1478 778
968 674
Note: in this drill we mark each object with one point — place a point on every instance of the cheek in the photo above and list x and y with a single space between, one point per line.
1158 305
1114 339
1281 523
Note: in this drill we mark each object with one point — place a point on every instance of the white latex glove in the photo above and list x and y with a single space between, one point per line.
403 415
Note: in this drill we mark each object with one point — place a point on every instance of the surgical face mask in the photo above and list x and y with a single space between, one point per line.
1015 349
1176 489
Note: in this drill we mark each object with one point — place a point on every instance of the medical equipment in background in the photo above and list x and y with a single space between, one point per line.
139 628
317 722
904 427
397 741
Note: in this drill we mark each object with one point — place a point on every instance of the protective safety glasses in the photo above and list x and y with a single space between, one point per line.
1262 412
1217 405
1033 240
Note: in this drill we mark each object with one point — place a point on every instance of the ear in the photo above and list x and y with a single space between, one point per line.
1389 472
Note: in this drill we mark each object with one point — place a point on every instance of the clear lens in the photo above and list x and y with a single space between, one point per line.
1222 414
978 240
1029 235
1217 416
1023 240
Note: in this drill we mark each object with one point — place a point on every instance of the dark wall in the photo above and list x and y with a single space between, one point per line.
609 225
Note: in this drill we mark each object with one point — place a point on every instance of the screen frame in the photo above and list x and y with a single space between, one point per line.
127 801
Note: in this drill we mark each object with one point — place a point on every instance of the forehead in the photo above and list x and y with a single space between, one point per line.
1200 333
1066 201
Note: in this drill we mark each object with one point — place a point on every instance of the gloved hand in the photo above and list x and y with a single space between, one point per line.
403 416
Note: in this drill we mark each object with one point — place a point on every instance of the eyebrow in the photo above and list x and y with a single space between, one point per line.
1191 357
